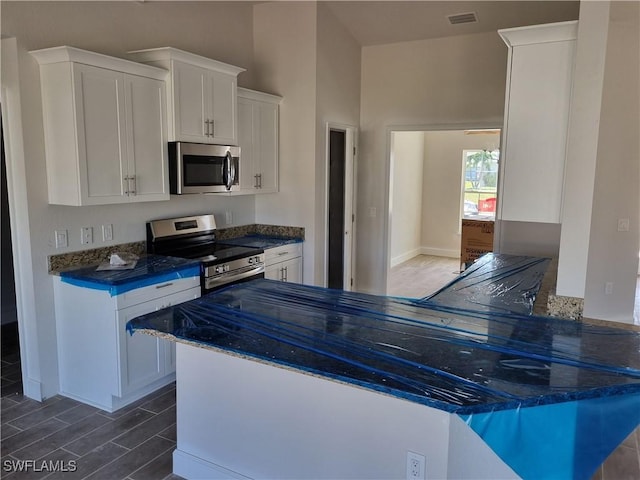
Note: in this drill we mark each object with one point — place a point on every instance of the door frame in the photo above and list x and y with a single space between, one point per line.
10 102
387 222
351 142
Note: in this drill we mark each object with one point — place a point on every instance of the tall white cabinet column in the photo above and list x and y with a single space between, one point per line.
538 94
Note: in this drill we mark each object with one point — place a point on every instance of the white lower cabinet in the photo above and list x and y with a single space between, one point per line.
284 263
99 362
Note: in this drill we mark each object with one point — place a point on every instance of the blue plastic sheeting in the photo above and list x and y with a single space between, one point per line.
260 241
571 439
149 270
494 283
509 376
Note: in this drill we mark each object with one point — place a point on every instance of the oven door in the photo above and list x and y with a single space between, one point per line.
201 168
217 281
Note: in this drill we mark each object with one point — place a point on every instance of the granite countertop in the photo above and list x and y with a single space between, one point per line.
261 241
148 270
457 362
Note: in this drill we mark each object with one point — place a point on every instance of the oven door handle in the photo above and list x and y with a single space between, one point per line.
229 277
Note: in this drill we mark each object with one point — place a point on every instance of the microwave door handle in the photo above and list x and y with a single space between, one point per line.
228 171
234 172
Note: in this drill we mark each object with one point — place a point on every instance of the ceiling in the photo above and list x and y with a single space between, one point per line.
381 22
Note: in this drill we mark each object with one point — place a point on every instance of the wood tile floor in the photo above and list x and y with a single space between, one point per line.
134 443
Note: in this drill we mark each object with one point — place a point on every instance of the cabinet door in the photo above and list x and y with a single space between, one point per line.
288 271
266 131
141 356
190 102
101 125
147 140
258 140
222 109
536 131
248 180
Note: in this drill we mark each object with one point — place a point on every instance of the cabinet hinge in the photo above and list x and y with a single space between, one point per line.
354 151
352 282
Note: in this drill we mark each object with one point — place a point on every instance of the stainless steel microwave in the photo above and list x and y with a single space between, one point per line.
203 168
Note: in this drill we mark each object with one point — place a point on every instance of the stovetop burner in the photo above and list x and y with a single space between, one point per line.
194 238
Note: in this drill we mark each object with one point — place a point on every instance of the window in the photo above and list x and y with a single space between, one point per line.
479 183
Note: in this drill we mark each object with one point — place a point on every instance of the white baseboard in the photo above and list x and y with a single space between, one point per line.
436 252
191 467
405 256
440 252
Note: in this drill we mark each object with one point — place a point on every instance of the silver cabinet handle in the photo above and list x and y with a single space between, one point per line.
125 184
133 190
283 253
164 285
255 184
259 180
210 130
285 277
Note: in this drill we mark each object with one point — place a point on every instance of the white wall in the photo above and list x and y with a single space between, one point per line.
285 53
338 102
407 162
582 148
456 81
305 55
613 255
442 187
112 28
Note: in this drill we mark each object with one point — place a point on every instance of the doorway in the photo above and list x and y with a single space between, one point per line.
11 366
341 152
426 200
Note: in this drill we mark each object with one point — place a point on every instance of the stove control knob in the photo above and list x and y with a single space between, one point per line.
250 260
219 269
226 268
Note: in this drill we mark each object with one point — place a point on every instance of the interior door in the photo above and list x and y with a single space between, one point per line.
340 217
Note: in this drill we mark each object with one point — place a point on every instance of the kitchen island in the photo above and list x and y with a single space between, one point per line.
289 381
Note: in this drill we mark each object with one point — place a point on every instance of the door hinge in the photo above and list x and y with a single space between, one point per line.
354 151
352 282
353 218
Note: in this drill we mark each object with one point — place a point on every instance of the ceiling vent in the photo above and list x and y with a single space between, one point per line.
462 18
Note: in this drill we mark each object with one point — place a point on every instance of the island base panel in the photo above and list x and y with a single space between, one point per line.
239 418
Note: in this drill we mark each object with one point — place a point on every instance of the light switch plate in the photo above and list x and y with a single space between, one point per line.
62 239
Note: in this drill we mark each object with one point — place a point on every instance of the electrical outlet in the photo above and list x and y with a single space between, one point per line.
623 224
416 466
86 235
62 239
107 232
608 288
228 217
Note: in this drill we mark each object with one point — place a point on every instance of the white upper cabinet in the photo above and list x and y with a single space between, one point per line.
539 82
202 95
258 118
105 128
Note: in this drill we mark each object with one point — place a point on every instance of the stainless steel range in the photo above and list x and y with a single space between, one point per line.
194 237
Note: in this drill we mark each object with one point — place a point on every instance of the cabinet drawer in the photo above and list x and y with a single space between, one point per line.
152 292
282 254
